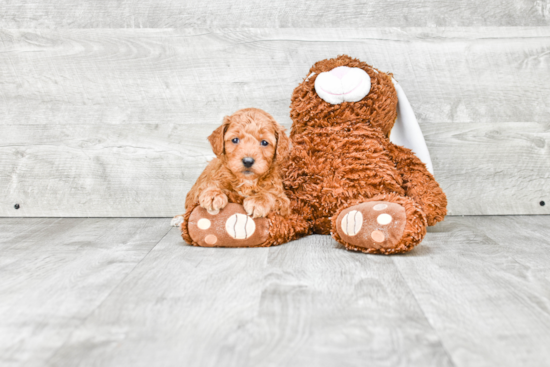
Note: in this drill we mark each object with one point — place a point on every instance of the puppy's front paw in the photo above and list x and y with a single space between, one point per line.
177 221
213 200
257 207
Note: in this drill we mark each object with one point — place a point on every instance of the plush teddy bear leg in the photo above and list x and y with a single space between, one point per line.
232 227
386 224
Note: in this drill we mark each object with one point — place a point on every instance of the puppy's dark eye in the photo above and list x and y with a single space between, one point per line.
235 140
264 143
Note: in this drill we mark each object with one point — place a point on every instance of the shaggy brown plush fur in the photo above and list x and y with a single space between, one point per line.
342 156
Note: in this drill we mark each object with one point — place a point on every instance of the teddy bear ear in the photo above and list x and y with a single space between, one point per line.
406 131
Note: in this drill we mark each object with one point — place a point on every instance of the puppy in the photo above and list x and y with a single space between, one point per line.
250 147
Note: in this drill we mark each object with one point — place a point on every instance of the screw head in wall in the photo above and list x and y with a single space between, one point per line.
16 206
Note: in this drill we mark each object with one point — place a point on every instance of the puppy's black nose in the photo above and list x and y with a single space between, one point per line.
248 162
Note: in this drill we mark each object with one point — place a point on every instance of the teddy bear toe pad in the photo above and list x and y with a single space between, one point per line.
230 227
375 225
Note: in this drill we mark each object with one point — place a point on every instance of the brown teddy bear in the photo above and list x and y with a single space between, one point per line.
344 175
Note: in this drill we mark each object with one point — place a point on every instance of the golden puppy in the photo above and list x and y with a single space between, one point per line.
250 147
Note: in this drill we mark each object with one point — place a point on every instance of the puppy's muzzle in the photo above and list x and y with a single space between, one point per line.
248 162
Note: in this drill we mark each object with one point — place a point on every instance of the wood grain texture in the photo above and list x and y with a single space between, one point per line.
308 303
99 292
497 168
525 238
14 229
114 170
198 76
180 307
484 284
56 272
113 122
279 13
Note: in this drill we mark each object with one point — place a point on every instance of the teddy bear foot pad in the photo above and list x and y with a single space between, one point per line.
372 225
230 227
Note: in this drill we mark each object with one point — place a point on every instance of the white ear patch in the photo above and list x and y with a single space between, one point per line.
343 84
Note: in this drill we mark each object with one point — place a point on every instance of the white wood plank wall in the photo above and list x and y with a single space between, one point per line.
273 13
113 122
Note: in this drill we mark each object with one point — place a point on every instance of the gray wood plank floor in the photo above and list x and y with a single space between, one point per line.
129 292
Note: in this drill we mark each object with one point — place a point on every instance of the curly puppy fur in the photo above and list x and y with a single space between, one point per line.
252 134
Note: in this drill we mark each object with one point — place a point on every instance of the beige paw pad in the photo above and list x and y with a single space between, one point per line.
204 223
381 229
213 212
384 219
240 226
352 222
378 236
230 228
211 239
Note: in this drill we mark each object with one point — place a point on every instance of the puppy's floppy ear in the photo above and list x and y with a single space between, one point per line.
216 138
282 150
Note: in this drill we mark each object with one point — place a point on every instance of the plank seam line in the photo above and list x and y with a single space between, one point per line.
424 313
84 319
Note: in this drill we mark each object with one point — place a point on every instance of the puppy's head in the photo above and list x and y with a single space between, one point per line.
250 142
